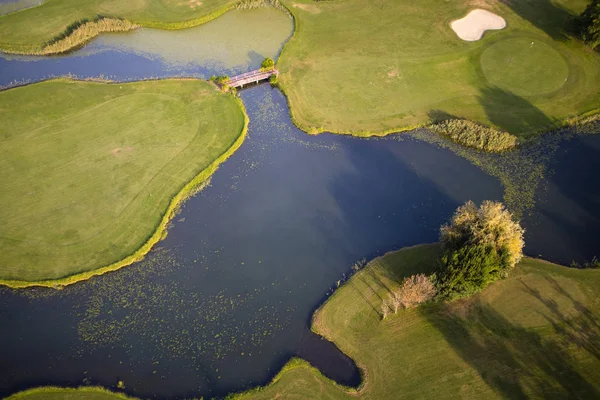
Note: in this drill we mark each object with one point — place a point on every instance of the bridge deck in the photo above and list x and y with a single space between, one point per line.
250 77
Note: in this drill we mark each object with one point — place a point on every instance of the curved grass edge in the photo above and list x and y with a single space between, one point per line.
58 389
316 328
190 189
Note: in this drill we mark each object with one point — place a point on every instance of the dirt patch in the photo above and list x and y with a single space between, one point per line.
472 27
311 8
120 150
194 3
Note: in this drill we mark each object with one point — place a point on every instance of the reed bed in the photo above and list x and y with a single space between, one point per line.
82 32
474 135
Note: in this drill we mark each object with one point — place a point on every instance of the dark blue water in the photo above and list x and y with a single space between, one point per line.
226 299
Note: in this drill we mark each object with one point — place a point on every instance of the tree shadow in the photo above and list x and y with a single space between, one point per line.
518 362
256 59
512 113
545 15
437 116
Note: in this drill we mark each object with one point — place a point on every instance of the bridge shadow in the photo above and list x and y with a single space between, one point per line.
519 363
545 15
512 113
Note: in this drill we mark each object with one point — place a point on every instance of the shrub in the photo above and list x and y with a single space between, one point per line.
489 225
415 290
220 80
267 63
474 135
273 80
470 269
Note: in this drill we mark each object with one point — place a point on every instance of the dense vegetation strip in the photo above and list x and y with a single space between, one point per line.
58 393
93 172
372 67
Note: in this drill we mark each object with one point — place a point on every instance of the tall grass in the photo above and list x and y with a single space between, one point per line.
81 32
251 4
470 134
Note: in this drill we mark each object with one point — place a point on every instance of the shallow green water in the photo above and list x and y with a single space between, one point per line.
238 40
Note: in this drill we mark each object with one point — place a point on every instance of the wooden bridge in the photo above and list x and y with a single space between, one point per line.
250 77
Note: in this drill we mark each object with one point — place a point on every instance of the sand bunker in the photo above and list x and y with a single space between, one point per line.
472 27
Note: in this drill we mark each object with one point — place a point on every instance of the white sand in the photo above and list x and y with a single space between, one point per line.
472 27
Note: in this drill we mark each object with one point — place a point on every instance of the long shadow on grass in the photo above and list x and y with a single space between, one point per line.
544 15
517 362
512 113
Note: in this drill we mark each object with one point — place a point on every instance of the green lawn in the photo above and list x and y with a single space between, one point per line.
536 334
372 66
28 30
91 172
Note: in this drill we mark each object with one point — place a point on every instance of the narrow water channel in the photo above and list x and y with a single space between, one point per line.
226 299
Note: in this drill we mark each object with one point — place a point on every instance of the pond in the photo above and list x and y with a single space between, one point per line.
226 299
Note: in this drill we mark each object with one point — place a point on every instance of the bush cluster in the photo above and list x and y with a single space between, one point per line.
587 25
480 246
267 64
474 135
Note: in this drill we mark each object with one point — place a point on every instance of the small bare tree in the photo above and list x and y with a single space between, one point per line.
415 290
385 308
396 301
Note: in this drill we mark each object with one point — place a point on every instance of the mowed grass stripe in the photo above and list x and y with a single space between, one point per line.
89 175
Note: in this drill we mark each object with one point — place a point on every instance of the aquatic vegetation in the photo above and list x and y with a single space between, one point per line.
474 135
82 32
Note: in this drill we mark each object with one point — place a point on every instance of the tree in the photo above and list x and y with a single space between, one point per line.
587 25
489 225
471 268
268 63
415 290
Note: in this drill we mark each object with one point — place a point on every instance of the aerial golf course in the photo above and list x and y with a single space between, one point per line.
94 171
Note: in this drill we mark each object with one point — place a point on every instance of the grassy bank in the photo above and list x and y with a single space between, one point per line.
534 334
92 177
57 393
372 67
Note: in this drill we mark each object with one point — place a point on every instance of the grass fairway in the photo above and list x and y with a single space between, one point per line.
536 334
29 30
91 172
374 66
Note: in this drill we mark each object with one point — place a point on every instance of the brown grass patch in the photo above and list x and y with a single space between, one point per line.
311 8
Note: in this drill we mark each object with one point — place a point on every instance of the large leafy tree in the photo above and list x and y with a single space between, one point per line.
587 25
480 245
